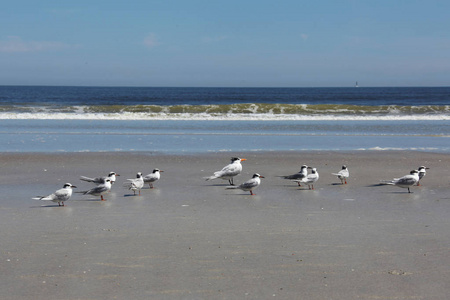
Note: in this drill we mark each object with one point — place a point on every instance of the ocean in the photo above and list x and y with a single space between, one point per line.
203 120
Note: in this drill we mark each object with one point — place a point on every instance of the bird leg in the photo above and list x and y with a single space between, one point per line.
102 198
231 181
251 193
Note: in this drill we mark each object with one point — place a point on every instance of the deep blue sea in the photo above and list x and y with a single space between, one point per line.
199 120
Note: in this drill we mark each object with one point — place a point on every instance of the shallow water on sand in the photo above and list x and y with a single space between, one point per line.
176 137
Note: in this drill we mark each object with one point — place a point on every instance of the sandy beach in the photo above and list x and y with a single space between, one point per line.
192 239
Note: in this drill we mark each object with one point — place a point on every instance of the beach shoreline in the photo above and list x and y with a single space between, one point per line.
192 239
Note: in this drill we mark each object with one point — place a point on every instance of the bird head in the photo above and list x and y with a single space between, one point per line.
233 159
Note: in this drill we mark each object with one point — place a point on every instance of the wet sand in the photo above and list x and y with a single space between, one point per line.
192 239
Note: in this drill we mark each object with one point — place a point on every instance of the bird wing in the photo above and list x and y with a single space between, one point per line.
63 194
229 170
94 180
150 177
294 176
97 190
406 180
248 184
311 178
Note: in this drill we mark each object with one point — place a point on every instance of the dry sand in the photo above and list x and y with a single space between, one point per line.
192 239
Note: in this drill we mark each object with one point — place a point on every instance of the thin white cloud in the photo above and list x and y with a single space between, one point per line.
151 41
14 44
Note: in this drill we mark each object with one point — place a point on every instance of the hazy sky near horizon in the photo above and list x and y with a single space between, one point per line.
286 43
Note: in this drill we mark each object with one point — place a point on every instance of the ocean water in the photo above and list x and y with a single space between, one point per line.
198 120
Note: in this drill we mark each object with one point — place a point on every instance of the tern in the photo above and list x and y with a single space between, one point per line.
229 171
405 181
152 177
60 196
343 174
100 189
99 180
298 176
422 172
249 185
310 179
135 183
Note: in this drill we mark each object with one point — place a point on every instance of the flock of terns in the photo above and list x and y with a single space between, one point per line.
104 184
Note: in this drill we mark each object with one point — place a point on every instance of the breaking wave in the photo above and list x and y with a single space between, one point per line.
249 111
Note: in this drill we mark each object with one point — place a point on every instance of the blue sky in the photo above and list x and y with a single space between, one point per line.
261 43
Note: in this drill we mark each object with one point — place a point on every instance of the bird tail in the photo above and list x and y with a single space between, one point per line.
336 174
84 178
127 184
210 177
41 198
231 187
387 182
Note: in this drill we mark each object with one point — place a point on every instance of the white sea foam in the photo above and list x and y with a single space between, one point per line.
127 116
377 148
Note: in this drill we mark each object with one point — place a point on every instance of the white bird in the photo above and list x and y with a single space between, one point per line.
310 179
135 183
405 181
100 189
298 176
422 172
342 174
60 196
152 177
99 180
249 185
229 171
